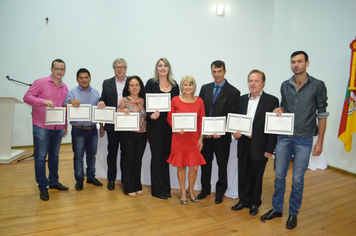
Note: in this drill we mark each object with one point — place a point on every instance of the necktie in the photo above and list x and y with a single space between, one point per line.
215 95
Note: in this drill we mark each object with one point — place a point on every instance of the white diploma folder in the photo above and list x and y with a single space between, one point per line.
130 122
186 121
283 124
214 125
81 113
158 102
237 122
55 116
104 115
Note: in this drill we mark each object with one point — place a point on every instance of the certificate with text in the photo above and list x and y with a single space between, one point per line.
186 121
104 115
214 125
81 113
158 102
55 116
283 124
237 122
130 122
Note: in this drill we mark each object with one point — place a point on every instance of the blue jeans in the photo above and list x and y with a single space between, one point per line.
46 142
84 140
300 148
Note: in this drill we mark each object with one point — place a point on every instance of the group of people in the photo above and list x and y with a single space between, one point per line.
302 95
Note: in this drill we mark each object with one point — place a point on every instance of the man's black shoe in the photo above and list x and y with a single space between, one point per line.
253 210
219 199
79 186
59 186
271 214
238 206
201 196
111 185
94 182
291 222
44 195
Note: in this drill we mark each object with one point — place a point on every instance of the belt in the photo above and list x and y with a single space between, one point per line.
84 127
249 137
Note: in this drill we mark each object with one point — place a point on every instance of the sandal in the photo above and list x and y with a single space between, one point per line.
192 197
184 202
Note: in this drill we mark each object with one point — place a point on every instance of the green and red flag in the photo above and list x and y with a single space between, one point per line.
348 118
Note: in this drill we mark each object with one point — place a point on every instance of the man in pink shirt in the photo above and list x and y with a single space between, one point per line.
47 92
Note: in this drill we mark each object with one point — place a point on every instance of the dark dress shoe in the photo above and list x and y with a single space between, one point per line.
111 185
94 182
44 195
168 195
161 197
253 210
59 186
291 222
79 186
271 214
201 196
219 199
238 206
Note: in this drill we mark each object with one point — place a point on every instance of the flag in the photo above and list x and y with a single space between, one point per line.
348 118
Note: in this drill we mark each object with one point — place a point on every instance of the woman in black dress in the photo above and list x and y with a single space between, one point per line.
159 132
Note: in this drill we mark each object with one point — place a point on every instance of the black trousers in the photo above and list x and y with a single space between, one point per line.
221 148
114 138
133 147
159 135
250 176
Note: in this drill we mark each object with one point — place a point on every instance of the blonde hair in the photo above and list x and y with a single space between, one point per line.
190 79
169 75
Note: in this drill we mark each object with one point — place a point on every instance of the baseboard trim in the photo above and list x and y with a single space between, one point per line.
342 171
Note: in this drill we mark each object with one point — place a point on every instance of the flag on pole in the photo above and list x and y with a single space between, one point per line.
348 117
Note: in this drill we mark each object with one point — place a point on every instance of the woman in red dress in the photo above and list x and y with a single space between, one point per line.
186 146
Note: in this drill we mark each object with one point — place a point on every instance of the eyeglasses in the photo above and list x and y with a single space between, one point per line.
58 69
119 67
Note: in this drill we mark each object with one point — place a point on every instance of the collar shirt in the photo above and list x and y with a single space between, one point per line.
220 86
120 89
84 97
307 104
252 106
41 90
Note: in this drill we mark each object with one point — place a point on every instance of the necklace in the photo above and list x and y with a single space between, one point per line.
165 88
188 99
135 101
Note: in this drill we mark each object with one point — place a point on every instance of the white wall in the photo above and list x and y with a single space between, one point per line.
252 34
324 29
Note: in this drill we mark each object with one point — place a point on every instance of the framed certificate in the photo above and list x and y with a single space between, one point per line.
158 102
237 122
81 113
214 125
55 116
104 115
186 121
283 124
130 122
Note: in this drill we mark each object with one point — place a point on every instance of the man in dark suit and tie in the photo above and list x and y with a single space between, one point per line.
219 98
111 96
254 150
